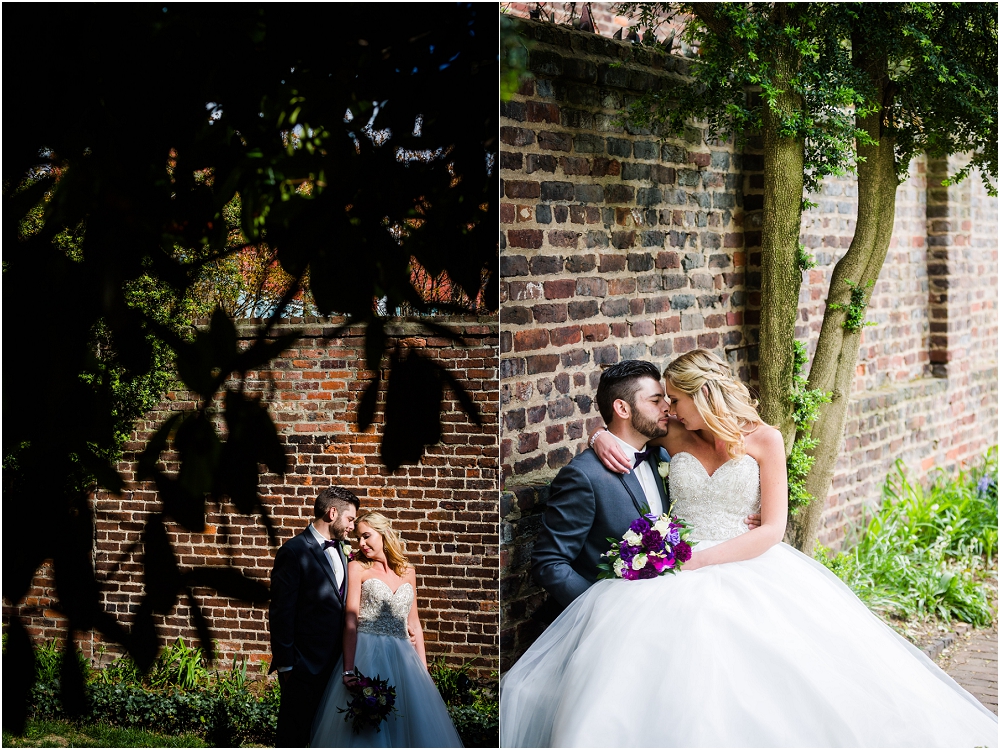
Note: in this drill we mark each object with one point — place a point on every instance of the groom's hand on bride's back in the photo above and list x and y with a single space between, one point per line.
753 521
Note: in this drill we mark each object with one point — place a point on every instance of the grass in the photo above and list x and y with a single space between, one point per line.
928 553
52 733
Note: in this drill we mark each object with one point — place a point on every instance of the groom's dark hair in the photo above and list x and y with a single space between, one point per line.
621 381
337 497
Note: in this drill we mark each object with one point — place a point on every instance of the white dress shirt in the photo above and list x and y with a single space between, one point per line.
332 556
644 473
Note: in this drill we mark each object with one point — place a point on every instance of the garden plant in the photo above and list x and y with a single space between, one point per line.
929 553
180 700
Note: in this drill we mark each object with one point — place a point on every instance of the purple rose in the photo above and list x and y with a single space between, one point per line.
683 551
647 572
674 536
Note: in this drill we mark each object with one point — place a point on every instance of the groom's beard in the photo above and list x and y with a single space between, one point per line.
339 531
648 427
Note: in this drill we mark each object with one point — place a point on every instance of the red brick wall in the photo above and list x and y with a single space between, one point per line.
445 507
619 244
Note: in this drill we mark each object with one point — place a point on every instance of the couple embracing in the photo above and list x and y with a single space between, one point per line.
751 644
330 616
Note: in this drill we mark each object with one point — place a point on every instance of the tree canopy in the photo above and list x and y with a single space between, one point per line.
829 88
353 148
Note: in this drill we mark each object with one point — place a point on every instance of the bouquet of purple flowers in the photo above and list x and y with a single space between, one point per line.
652 546
373 701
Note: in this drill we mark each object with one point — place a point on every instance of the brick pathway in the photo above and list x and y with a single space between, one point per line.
972 661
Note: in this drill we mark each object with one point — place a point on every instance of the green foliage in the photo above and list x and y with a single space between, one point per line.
474 707
804 259
513 58
805 411
179 665
746 48
180 696
925 551
854 319
941 60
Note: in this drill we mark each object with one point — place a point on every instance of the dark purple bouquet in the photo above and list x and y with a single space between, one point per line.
653 546
372 701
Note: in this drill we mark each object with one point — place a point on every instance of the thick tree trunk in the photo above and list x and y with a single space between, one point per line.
833 366
780 274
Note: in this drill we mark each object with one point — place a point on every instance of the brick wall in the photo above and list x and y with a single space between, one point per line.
445 507
606 21
619 244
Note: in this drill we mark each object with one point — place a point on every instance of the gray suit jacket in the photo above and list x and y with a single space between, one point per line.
587 504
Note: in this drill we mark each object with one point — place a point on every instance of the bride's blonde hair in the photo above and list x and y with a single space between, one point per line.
392 545
722 401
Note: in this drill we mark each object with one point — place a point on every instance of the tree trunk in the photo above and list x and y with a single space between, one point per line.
780 274
836 357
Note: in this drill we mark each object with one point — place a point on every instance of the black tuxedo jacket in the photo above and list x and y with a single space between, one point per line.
586 505
306 615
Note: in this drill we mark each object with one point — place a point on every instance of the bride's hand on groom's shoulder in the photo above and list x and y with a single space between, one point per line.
610 452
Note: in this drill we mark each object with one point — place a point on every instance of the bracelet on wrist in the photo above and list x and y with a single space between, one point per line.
593 438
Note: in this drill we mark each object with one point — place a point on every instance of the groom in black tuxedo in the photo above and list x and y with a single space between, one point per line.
587 502
306 616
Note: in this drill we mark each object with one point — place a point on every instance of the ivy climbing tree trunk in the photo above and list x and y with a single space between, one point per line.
780 275
836 356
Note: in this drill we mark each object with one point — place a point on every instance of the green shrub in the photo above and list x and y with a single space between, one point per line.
473 706
923 553
180 696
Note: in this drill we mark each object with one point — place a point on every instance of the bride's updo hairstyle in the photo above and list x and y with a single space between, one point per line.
722 400
392 545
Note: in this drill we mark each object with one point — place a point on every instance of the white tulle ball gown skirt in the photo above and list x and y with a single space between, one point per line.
421 718
770 652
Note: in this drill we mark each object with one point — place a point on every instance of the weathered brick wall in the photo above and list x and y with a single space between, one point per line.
445 508
621 245
606 21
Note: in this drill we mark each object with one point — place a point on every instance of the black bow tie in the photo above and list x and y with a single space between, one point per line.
641 456
329 543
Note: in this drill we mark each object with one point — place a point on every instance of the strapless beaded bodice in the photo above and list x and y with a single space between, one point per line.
382 611
715 507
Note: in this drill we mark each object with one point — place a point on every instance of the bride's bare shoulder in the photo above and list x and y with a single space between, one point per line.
765 442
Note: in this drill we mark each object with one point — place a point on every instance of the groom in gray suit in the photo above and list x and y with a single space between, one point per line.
587 502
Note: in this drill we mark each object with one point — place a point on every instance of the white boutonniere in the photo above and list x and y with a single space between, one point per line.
345 547
663 469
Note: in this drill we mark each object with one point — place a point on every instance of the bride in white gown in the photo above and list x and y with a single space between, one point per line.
752 644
